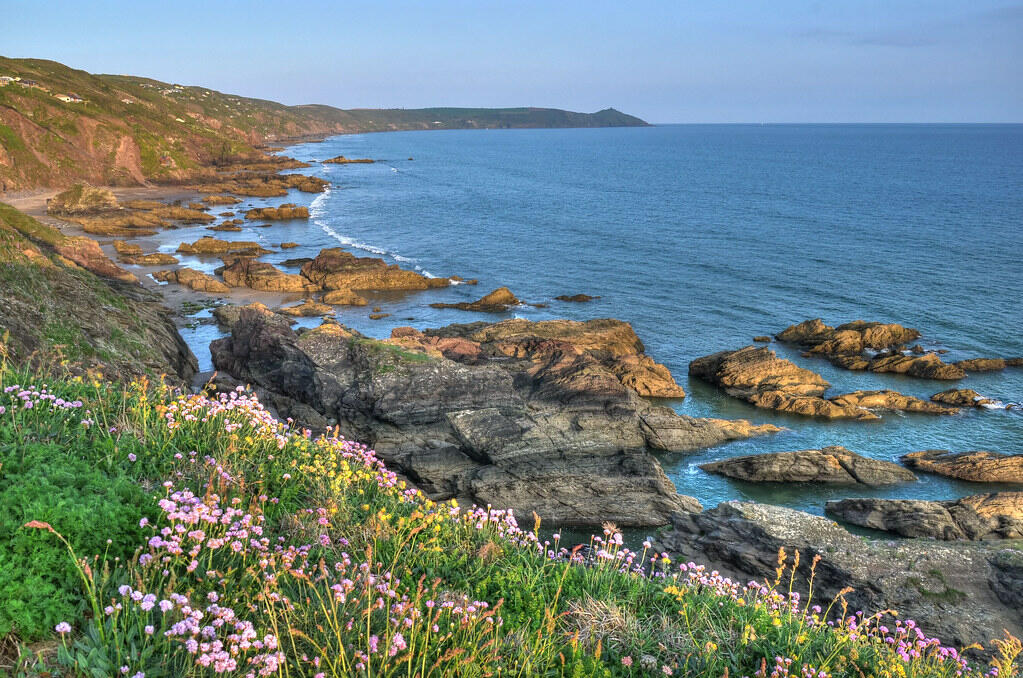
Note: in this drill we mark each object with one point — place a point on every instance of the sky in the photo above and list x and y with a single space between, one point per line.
681 61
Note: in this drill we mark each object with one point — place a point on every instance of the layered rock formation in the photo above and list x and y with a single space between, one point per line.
531 423
891 400
982 516
962 592
988 364
832 465
976 466
845 347
498 301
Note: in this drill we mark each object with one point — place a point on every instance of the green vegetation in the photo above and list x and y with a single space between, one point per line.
238 546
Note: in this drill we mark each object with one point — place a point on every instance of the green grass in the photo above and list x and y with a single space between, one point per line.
308 522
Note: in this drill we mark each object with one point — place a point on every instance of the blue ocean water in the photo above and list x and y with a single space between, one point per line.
703 236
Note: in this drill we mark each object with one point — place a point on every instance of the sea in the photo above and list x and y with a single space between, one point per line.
701 237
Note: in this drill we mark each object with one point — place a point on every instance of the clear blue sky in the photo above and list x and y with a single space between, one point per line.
756 61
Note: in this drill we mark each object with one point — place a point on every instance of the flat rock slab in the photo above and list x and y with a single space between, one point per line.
832 465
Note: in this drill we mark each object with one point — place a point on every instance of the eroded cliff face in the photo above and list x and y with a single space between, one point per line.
64 304
546 425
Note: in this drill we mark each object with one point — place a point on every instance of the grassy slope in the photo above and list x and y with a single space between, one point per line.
313 548
168 132
53 312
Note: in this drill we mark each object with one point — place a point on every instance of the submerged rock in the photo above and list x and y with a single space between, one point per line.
832 465
498 301
981 516
552 430
978 466
962 592
576 298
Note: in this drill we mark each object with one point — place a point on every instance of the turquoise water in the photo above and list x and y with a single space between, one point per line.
702 237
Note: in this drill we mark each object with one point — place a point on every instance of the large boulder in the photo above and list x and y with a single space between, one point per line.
831 465
558 433
997 515
961 592
976 466
498 301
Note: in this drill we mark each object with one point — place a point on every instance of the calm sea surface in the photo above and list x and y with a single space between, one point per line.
702 237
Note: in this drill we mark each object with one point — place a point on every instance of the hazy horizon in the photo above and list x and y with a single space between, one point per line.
791 61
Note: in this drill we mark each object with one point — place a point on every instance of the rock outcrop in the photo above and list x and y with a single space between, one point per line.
575 298
998 515
553 431
962 397
962 592
342 160
977 466
154 259
259 275
281 213
196 280
498 301
988 364
831 465
851 338
891 400
847 345
336 269
760 377
213 246
86 253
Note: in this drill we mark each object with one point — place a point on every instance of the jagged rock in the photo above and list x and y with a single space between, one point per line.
977 466
832 465
612 342
954 590
988 364
335 269
850 338
259 275
497 301
981 516
86 253
562 436
890 400
209 246
927 366
285 211
962 397
193 279
760 377
82 199
307 308
229 314
343 297
577 298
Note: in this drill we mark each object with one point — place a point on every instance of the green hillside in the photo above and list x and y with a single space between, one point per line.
127 130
